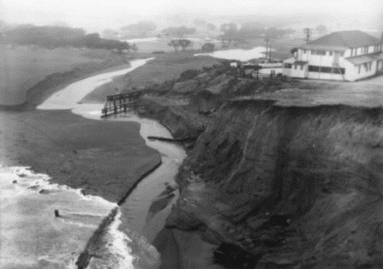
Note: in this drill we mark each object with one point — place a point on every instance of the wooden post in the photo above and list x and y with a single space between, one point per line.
115 106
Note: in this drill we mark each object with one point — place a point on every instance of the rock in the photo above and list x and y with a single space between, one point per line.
182 220
57 214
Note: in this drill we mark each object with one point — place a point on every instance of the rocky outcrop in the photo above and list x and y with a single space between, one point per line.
296 187
181 123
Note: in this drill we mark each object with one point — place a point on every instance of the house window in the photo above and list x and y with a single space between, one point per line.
326 69
365 51
359 67
301 67
318 52
304 51
368 66
286 65
331 53
342 53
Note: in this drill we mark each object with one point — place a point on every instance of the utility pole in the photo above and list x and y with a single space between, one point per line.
267 47
308 33
270 53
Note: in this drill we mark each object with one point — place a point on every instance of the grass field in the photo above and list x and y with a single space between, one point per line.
24 66
161 44
164 67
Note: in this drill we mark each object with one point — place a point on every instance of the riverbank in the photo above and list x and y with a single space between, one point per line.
165 67
103 158
23 68
77 152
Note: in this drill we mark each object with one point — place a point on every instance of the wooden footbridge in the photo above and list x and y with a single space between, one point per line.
117 103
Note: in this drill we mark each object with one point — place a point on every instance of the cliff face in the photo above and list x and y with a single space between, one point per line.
296 187
182 123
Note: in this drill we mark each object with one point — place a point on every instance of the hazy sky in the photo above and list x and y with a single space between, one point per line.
97 14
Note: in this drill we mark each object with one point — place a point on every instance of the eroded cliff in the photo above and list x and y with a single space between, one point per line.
295 187
274 184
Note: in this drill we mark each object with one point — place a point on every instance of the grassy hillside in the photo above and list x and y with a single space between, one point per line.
24 66
164 67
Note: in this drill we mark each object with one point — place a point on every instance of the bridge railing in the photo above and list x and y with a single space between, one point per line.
117 103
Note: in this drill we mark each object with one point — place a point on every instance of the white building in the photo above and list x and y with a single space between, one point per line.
345 55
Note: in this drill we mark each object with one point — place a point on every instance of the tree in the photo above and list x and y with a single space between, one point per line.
211 27
228 28
179 31
208 47
175 44
57 36
123 46
44 36
252 29
321 29
230 33
110 34
184 43
92 40
293 51
199 22
139 29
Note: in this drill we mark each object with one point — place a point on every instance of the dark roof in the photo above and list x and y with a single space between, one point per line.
344 39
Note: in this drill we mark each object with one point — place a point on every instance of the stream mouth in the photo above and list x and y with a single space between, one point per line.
45 225
142 215
139 211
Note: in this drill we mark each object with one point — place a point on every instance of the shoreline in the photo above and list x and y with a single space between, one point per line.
31 139
34 99
47 164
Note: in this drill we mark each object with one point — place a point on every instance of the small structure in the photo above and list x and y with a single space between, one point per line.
117 103
249 69
344 55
